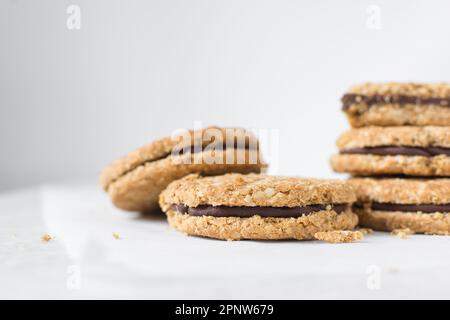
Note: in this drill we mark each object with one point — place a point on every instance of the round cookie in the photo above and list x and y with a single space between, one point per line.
135 181
404 150
236 206
420 205
398 104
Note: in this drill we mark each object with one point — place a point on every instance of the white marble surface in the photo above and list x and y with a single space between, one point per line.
152 261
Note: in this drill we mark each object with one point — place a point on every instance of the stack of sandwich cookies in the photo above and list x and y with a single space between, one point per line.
236 206
401 138
135 181
421 205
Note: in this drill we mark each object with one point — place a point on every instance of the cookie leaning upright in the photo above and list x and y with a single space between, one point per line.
135 181
405 150
421 205
398 104
236 206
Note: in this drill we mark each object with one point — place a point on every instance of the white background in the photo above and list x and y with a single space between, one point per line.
71 101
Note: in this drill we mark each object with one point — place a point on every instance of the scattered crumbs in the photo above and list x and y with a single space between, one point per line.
366 231
47 237
116 235
339 236
402 233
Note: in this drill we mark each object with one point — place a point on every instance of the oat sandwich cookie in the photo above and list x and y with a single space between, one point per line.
398 104
135 181
421 205
259 207
403 150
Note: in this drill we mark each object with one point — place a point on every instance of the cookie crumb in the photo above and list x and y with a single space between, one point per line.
116 235
339 236
366 231
402 233
47 237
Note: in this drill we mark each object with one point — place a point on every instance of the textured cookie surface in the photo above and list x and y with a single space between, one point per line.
255 190
135 181
434 223
366 165
397 104
402 191
258 228
439 90
430 136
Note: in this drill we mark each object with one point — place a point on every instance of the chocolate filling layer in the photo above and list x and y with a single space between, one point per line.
399 150
351 98
245 212
425 208
214 147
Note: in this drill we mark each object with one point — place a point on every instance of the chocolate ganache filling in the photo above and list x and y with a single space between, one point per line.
399 150
424 208
352 98
245 212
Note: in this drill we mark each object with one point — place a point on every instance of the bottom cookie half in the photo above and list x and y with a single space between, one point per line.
258 228
428 223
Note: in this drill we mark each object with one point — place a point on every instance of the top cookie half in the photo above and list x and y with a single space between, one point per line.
135 180
254 190
397 104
